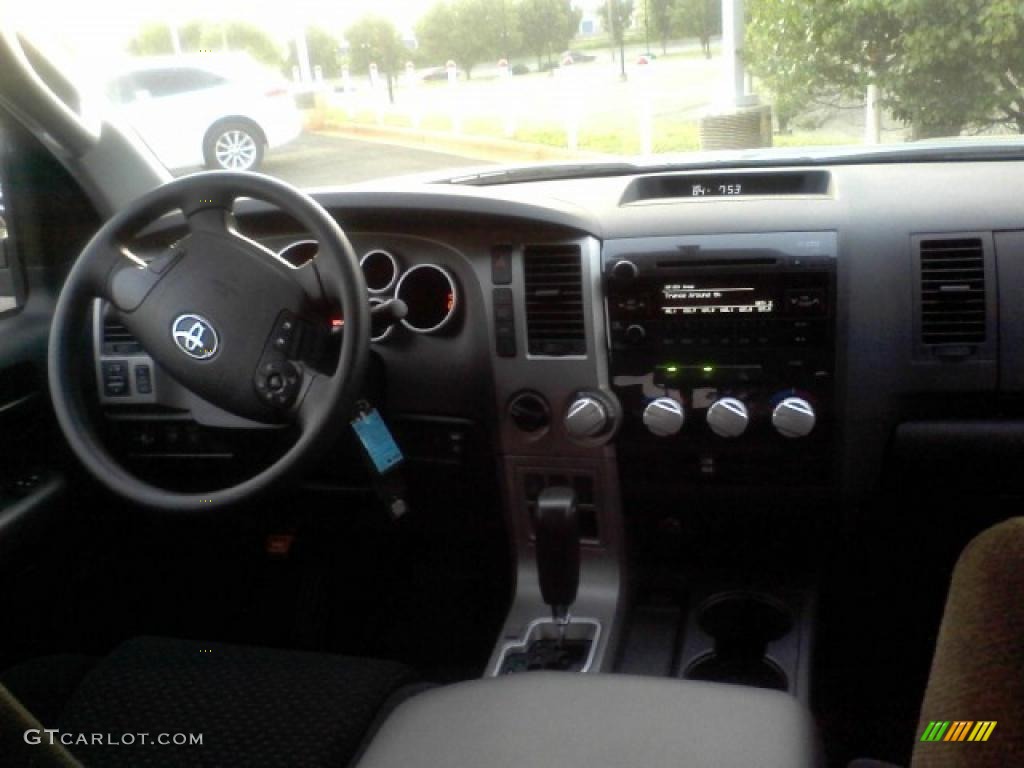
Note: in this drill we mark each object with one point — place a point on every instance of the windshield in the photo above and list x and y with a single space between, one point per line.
335 92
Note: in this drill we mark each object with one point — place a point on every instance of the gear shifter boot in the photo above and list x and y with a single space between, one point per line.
556 527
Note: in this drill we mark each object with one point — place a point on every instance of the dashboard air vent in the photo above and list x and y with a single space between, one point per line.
118 340
953 304
554 301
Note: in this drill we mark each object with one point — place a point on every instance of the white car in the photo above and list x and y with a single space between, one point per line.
219 110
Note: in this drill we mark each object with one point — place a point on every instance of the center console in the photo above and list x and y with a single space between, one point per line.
723 357
711 377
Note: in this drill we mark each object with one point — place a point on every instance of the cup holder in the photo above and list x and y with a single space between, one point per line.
759 673
742 624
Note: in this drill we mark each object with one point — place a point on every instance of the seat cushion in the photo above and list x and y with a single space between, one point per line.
44 684
252 706
977 671
595 721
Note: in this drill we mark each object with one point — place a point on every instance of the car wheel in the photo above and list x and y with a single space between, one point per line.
233 146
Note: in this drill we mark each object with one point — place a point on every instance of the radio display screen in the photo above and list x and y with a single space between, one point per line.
714 299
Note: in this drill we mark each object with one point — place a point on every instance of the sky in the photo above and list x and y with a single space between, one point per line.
102 25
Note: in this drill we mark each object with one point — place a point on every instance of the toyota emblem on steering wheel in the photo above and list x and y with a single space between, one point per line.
195 336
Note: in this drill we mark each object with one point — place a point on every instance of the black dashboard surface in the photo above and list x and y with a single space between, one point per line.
879 215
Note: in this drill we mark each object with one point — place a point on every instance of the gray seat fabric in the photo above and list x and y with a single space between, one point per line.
44 684
565 720
22 740
253 706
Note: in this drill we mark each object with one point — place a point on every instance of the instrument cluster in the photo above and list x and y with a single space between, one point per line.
428 291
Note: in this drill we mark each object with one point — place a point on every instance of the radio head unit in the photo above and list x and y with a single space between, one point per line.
722 346
718 296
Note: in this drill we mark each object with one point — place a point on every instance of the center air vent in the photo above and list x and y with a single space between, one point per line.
117 340
554 301
953 301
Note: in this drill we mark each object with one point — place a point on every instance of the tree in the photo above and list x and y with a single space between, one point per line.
374 40
196 36
547 26
660 14
242 36
617 15
462 30
698 18
324 51
940 65
152 40
510 38
960 64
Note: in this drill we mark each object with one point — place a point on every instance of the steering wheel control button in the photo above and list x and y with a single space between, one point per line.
728 417
285 335
277 383
195 336
115 379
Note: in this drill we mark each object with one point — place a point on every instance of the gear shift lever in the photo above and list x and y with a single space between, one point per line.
556 526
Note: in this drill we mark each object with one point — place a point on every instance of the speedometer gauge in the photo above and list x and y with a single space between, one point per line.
430 293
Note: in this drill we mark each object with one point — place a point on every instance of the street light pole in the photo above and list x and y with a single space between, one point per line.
302 55
733 23
175 38
647 30
611 29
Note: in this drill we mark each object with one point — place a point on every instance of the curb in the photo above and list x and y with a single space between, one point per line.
475 147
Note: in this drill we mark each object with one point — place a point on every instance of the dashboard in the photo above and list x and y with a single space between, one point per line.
761 331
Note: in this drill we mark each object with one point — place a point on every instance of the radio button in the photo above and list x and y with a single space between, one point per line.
636 333
805 301
625 270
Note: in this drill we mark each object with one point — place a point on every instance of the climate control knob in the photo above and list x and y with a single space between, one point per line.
728 417
664 417
587 417
794 417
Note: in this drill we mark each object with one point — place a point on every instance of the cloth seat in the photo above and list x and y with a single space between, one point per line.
251 706
977 672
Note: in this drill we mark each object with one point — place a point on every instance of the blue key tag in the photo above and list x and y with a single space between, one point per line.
377 441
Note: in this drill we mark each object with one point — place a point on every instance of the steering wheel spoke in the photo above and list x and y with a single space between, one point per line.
315 396
225 317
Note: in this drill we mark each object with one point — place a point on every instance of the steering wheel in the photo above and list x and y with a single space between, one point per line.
227 319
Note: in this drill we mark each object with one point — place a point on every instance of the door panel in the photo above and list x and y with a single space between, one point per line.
45 222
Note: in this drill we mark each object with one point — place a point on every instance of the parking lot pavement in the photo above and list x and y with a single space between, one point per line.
314 160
